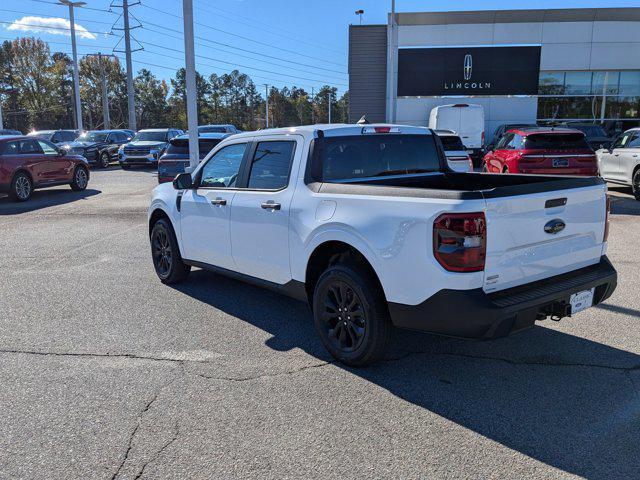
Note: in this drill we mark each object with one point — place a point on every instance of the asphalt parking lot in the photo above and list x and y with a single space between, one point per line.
108 374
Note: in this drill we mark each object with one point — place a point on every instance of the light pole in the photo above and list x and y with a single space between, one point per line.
266 103
360 13
190 64
106 120
76 78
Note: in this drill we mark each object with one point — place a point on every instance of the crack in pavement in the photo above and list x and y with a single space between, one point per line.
406 354
265 375
176 434
137 427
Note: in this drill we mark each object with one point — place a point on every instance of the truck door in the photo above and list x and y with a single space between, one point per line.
261 208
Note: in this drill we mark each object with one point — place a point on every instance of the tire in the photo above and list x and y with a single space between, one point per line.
21 187
505 169
635 182
165 254
80 179
347 289
104 160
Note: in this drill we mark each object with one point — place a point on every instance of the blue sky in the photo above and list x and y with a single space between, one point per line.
279 42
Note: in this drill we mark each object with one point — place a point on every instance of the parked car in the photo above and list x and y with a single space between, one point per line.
620 163
175 159
230 129
595 135
368 225
56 136
467 121
543 151
9 132
146 147
456 153
502 129
99 147
27 163
130 133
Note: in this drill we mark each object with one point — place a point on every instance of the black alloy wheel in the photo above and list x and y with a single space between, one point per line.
165 253
344 317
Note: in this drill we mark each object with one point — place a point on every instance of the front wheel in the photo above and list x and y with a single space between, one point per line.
165 253
80 179
635 182
104 159
351 315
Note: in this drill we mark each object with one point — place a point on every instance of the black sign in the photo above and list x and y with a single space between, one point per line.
468 71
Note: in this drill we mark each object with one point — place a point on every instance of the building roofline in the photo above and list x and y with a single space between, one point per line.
626 14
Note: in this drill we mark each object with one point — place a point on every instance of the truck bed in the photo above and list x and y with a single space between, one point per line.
452 185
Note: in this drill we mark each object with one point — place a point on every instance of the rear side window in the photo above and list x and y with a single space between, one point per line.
556 141
451 144
21 147
364 156
271 165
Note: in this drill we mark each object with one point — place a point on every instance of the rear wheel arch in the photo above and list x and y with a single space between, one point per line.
330 253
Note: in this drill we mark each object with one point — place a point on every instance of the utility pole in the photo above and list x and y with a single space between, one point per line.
190 64
127 46
392 65
105 98
1 124
266 100
76 77
313 110
329 101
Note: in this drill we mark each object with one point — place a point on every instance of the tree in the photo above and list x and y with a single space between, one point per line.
178 99
151 99
321 104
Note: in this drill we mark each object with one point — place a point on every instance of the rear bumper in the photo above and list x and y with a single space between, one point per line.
475 314
585 172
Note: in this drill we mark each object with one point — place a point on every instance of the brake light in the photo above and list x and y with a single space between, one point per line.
606 220
460 241
483 137
380 130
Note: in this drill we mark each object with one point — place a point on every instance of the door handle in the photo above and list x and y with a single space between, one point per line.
270 205
219 201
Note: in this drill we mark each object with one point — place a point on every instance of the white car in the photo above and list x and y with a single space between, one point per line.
368 225
467 120
457 156
620 163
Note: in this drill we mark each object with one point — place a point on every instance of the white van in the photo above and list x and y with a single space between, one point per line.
464 119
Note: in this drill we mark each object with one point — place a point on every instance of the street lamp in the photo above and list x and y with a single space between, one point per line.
358 12
76 78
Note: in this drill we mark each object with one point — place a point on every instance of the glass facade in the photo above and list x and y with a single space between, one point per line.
581 95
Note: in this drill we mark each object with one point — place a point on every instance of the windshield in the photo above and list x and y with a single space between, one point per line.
150 137
92 137
364 156
212 129
591 131
555 141
451 143
42 134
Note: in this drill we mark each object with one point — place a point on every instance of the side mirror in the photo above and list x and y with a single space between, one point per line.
183 182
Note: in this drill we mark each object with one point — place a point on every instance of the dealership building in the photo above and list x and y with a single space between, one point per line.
522 66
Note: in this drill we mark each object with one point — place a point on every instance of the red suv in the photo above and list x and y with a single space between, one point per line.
538 150
27 163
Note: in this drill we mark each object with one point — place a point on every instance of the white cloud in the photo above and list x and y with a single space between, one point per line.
54 26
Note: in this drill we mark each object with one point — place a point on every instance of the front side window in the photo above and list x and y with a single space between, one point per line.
622 140
634 141
221 171
47 148
28 147
364 156
271 165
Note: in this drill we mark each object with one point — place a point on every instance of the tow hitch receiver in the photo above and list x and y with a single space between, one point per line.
558 311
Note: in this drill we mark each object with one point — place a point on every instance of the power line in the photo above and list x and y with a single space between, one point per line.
58 4
51 16
240 65
48 27
233 47
265 27
254 41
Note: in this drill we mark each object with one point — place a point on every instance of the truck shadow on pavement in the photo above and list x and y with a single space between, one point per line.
44 199
566 401
623 201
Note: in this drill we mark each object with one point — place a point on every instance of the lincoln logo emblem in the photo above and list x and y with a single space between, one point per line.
554 226
468 66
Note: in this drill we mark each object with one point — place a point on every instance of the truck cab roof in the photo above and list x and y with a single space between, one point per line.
339 129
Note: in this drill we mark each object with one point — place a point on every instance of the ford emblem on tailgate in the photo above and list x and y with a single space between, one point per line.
554 226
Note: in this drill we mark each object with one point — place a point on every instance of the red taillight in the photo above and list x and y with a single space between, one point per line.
606 220
483 138
460 241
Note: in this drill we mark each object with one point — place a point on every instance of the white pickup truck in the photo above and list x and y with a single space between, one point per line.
370 226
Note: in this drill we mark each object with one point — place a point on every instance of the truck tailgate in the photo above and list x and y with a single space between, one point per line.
520 251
